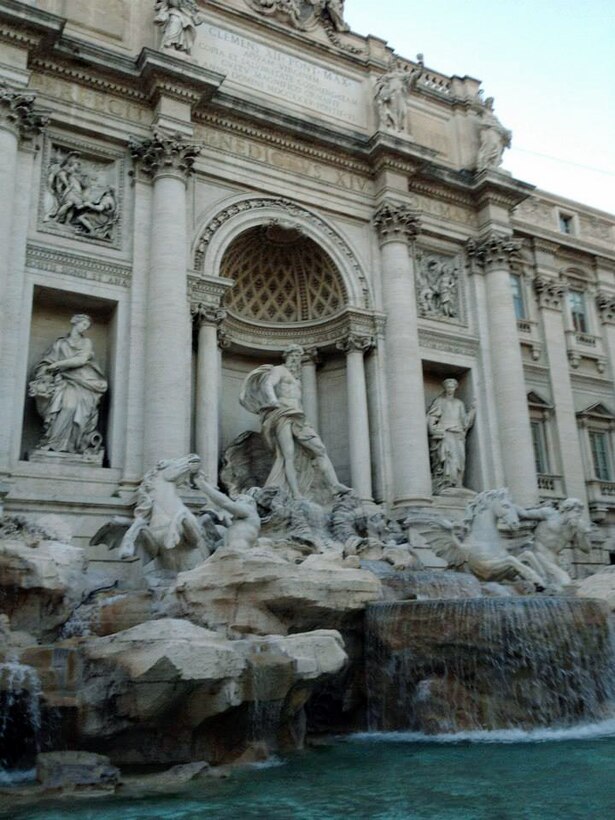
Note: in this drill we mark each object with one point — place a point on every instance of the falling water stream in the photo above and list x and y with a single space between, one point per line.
439 666
20 713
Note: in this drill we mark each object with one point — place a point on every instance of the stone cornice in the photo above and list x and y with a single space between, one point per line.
493 187
396 221
278 139
165 154
26 26
493 251
18 114
550 292
177 78
49 259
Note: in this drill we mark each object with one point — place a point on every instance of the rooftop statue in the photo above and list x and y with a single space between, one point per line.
391 95
179 19
304 14
274 393
494 138
448 423
68 385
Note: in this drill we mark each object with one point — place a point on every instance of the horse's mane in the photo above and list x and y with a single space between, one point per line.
482 502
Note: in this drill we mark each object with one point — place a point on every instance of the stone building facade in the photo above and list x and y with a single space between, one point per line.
211 182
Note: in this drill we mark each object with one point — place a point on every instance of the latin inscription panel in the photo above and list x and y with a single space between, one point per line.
270 72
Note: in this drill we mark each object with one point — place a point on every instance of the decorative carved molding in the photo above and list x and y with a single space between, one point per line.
494 251
305 15
605 302
207 290
93 269
165 153
207 314
289 209
437 287
353 342
395 221
18 114
550 292
82 191
433 340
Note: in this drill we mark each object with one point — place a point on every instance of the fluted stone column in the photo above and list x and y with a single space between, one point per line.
168 160
355 347
493 254
397 225
20 125
208 382
309 386
551 295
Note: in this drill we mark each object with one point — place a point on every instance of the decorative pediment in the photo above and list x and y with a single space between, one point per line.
597 412
536 401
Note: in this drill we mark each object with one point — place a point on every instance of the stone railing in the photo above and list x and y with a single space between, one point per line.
585 346
524 325
550 486
435 82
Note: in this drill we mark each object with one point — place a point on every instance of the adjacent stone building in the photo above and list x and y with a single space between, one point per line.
211 182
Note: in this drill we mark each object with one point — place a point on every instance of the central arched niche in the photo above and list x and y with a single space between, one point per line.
285 289
280 275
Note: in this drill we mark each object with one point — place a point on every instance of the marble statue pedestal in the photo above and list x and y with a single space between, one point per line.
79 459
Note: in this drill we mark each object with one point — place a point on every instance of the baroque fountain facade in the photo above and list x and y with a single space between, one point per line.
307 405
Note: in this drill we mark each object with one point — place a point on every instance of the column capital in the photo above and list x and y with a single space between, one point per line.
208 314
224 340
18 114
493 250
311 355
550 292
605 302
355 342
165 153
396 222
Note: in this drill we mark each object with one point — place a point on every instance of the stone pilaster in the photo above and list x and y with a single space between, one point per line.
551 294
397 226
208 382
605 304
168 160
20 125
493 254
355 346
309 386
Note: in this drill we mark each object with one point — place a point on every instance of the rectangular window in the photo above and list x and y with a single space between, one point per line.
517 291
565 224
600 455
539 440
578 314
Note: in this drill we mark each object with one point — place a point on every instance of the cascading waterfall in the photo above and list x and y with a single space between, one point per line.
488 663
20 713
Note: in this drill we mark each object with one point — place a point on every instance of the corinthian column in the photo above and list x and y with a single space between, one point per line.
208 378
354 347
20 124
493 254
397 226
168 161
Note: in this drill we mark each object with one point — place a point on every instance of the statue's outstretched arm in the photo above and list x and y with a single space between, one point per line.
222 500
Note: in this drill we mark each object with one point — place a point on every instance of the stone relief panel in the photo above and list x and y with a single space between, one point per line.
438 288
81 192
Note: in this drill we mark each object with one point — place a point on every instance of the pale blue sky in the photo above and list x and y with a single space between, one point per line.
550 64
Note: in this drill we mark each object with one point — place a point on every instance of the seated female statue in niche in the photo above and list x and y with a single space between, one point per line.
68 385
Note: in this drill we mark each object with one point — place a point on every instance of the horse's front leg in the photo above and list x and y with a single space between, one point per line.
535 576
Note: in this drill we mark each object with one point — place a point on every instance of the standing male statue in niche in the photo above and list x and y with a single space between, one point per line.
274 393
448 423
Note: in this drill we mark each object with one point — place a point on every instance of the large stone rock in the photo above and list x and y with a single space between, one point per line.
261 593
601 585
40 585
56 770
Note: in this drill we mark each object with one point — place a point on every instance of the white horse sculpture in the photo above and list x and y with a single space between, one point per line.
480 546
163 530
